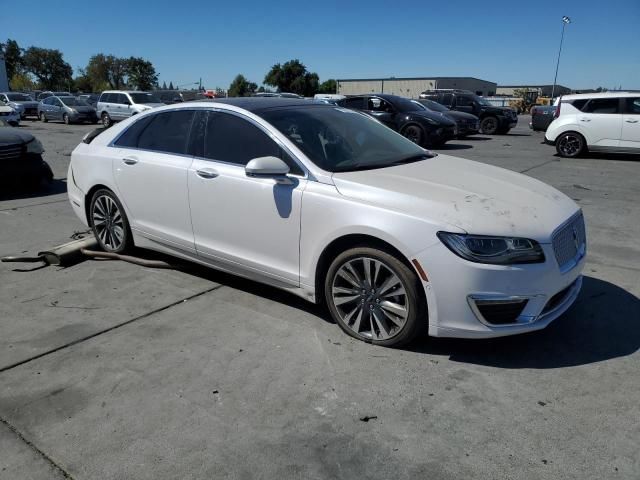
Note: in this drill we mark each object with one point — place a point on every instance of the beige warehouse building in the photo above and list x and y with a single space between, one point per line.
412 87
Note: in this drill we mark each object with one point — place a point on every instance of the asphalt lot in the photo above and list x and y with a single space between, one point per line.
112 371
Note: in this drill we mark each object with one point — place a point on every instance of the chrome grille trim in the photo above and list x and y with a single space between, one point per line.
570 242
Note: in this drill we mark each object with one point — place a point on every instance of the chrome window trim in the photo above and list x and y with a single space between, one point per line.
305 170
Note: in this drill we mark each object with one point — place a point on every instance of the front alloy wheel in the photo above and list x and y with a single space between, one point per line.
413 133
374 297
109 222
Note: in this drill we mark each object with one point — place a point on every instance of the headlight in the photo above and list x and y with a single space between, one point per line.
34 146
494 250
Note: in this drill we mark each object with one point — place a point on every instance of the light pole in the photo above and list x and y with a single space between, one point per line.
565 21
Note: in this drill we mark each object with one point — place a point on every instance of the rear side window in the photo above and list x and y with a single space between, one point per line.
579 104
446 99
602 105
167 132
129 139
632 106
464 102
105 97
353 102
232 139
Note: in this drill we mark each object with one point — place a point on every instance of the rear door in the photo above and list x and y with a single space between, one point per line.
630 123
464 104
150 169
601 122
57 109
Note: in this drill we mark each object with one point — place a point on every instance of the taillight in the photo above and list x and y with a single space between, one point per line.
557 112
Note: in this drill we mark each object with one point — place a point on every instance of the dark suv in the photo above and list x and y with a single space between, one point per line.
492 119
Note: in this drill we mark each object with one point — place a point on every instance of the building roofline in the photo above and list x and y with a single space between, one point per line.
407 78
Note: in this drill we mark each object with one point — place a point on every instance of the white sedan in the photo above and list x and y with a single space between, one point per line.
333 206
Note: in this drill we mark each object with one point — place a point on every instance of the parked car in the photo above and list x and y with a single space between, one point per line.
329 96
277 94
492 119
41 96
9 115
25 105
585 122
90 98
467 123
393 238
541 117
66 109
21 160
116 105
421 126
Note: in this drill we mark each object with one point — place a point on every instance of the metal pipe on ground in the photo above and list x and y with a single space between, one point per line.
143 262
63 255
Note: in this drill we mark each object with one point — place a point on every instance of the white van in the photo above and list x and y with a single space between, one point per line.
116 105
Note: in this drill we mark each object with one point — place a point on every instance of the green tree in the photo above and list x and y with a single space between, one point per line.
21 82
292 76
82 82
12 57
164 85
106 71
141 73
241 87
171 86
48 66
328 86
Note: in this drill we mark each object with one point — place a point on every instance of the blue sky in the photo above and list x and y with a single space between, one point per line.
494 40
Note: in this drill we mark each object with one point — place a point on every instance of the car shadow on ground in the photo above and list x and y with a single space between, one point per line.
452 146
476 138
18 192
622 157
604 323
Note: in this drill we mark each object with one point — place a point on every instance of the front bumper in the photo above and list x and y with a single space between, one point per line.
441 135
455 283
83 117
11 118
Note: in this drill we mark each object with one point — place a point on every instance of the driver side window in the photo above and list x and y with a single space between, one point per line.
376 104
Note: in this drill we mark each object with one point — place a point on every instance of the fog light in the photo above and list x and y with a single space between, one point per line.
499 311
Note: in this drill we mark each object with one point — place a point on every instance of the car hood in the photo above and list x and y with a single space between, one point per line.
26 103
437 116
11 136
459 194
84 108
453 115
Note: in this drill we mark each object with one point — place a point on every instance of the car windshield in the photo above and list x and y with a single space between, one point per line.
144 98
482 101
341 140
19 97
73 102
431 105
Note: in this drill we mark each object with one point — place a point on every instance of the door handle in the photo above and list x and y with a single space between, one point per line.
629 120
207 173
130 160
585 119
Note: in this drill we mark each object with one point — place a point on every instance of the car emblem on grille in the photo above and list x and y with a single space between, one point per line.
575 238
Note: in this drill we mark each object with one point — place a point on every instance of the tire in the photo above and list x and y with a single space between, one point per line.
65 119
43 118
489 125
109 222
388 320
413 133
106 120
570 145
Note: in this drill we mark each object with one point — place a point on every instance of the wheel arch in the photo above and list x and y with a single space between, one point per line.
352 240
89 196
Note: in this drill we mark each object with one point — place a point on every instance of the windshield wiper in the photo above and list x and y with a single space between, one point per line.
413 158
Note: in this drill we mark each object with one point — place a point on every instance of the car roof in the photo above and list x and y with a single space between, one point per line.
577 96
254 104
126 91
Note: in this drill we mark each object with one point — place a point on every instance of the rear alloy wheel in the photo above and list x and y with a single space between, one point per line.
413 133
106 120
43 117
489 125
65 118
374 297
109 222
570 145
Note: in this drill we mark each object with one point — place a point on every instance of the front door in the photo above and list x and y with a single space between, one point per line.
631 123
601 122
382 111
150 170
245 224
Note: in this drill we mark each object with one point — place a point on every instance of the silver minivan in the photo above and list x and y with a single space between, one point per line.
116 105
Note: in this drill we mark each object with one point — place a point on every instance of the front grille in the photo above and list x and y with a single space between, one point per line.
10 152
501 312
569 242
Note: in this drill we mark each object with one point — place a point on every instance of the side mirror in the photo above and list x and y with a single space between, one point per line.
266 167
